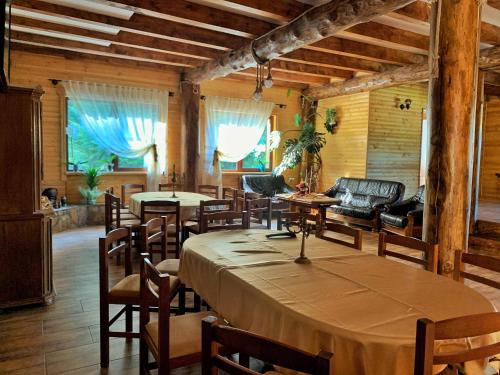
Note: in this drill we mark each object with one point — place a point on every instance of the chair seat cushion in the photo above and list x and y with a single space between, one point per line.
130 287
394 220
357 212
185 334
170 266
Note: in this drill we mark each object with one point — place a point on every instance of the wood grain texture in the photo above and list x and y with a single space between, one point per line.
451 109
490 160
345 152
394 135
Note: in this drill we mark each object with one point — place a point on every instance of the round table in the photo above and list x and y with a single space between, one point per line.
362 307
189 202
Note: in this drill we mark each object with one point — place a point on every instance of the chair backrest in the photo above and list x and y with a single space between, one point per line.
155 291
112 245
259 208
160 208
429 251
452 329
170 187
247 344
230 193
110 190
112 206
356 234
210 190
482 261
129 189
215 205
156 231
226 221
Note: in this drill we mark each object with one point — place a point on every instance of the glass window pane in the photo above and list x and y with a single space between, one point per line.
259 158
228 166
131 162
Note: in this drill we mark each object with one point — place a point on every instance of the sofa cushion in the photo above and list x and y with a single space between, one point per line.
357 212
380 192
394 220
267 185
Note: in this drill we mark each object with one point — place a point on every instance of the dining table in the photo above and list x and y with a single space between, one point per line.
359 306
189 202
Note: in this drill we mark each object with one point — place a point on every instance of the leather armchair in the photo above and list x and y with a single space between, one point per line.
267 185
405 218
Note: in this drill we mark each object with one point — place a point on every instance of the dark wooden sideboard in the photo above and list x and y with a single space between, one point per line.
25 232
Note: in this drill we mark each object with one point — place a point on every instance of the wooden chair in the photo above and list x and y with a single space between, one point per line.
226 221
129 189
230 193
125 292
173 341
210 190
114 217
259 208
170 187
482 261
429 251
451 329
218 339
356 234
216 205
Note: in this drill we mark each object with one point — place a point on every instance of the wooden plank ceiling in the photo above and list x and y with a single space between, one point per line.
183 34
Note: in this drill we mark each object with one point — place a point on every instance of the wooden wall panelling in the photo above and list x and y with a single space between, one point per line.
394 135
490 163
344 154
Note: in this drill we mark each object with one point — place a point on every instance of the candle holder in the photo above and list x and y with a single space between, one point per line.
174 180
301 227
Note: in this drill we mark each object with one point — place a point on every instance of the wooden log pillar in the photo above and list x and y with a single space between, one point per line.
451 109
478 139
190 108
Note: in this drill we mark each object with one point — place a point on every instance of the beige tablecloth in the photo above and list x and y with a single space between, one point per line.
189 202
361 307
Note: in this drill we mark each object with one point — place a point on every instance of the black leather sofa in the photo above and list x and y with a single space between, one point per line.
405 218
362 200
267 185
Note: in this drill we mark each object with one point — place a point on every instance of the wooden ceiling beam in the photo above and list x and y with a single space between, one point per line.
371 52
198 15
123 38
494 4
141 24
72 55
388 36
309 69
491 90
114 51
492 78
315 24
393 77
276 82
335 61
288 76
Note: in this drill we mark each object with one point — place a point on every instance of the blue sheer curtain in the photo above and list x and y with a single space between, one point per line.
129 122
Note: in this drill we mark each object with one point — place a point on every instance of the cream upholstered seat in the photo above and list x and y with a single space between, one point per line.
130 287
185 334
170 266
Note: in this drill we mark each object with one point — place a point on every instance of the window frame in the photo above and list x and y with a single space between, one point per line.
116 160
239 164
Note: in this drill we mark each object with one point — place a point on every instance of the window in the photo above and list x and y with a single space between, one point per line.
82 151
259 160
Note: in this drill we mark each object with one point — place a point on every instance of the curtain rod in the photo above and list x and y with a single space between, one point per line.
282 106
56 81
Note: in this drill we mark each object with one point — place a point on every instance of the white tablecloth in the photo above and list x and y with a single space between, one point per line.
189 202
361 307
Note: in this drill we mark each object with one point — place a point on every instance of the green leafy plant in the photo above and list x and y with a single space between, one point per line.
309 142
92 179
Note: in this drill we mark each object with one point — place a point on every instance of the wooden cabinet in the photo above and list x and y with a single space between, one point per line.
25 232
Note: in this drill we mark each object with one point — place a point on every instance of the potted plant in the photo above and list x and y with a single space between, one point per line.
309 141
91 192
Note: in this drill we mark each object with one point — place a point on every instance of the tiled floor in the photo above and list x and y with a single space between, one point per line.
63 338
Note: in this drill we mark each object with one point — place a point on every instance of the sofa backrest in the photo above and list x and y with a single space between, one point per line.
366 192
268 184
420 195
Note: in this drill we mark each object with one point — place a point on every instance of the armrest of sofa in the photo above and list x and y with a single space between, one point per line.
416 213
400 208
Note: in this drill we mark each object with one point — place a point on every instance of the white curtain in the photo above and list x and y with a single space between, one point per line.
233 129
129 122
